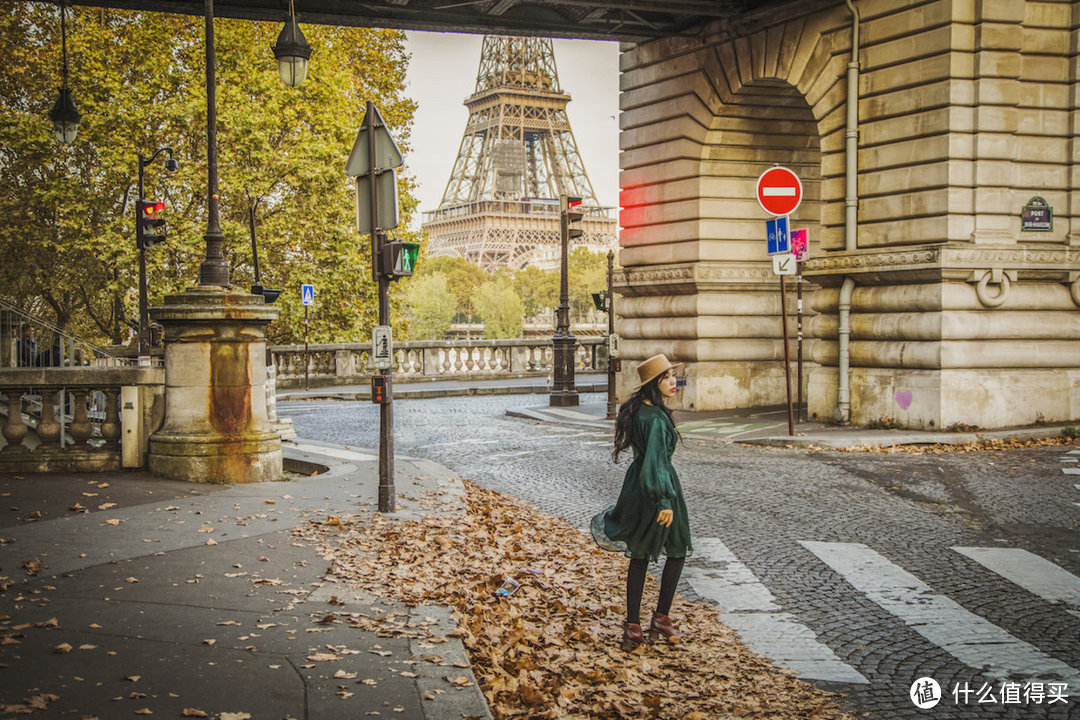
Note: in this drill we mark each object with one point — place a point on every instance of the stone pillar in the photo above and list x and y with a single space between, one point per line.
216 428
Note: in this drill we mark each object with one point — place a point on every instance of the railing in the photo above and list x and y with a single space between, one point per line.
29 341
78 419
347 363
541 207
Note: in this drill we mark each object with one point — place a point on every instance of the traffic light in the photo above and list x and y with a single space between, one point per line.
398 259
600 300
149 228
378 389
571 216
269 295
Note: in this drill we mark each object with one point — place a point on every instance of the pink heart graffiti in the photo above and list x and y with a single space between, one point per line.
903 399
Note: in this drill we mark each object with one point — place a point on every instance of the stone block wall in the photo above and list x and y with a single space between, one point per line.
966 112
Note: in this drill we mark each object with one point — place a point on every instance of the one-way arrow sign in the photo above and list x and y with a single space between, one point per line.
783 264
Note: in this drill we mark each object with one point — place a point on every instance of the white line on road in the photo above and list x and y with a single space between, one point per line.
969 638
1071 471
1031 572
752 611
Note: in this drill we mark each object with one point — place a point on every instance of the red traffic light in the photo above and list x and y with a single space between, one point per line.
150 207
378 389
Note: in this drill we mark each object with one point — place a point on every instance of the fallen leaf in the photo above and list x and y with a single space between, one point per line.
211 541
323 657
106 506
133 580
209 641
270 502
133 678
194 712
62 648
234 716
206 529
342 675
144 711
32 567
112 522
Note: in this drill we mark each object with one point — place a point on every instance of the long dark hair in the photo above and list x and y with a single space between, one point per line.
624 420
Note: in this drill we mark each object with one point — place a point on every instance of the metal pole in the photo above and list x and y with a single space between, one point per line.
611 331
214 269
306 387
144 303
787 357
254 248
803 414
387 499
563 387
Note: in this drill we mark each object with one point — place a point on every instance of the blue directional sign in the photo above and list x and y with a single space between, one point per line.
778 235
307 294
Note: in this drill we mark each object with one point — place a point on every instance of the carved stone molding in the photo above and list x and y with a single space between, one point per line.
690 278
944 262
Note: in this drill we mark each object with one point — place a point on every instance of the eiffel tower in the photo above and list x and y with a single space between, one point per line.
518 155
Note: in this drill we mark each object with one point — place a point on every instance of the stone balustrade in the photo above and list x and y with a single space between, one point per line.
78 419
422 360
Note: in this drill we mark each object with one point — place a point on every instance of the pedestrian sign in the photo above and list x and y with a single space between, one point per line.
307 294
777 236
381 346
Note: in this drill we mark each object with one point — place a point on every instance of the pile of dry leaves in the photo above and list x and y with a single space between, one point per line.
551 649
980 446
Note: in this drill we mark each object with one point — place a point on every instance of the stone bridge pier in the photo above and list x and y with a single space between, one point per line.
960 306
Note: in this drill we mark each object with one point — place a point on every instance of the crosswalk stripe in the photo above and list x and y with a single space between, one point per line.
969 638
1031 572
752 611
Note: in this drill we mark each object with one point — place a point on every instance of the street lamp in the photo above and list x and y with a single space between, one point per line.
64 115
144 305
292 52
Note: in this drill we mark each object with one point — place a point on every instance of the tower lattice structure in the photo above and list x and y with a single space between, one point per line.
517 156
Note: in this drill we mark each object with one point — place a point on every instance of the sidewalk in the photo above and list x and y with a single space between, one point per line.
125 595
768 426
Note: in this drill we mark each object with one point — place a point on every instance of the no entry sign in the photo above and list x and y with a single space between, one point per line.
779 191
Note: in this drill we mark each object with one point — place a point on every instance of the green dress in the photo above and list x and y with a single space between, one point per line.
651 485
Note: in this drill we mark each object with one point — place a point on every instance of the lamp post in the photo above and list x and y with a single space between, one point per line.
563 387
292 52
144 304
64 115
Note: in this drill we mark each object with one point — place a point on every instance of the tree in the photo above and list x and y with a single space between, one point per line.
431 307
462 277
587 273
68 235
538 289
499 307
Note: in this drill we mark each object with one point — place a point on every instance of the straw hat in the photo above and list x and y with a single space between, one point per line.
654 366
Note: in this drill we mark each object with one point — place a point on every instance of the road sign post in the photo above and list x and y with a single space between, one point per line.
307 298
800 243
373 157
779 192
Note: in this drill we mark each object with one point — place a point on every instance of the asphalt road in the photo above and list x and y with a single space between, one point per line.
863 572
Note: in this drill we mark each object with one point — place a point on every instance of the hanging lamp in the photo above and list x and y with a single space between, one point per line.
64 115
292 52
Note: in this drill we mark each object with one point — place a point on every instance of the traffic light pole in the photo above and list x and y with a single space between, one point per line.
144 303
611 331
387 499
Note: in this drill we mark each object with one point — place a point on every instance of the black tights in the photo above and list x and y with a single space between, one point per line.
635 586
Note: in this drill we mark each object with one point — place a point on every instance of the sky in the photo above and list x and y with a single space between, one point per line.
442 73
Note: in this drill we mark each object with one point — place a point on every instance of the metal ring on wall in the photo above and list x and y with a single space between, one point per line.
1074 290
996 300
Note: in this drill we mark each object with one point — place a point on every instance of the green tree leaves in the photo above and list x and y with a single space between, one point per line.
139 82
431 307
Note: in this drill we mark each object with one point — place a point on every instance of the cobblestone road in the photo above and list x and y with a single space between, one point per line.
862 572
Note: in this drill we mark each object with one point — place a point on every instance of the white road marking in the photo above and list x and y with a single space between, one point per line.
1031 572
969 638
1071 471
752 611
335 452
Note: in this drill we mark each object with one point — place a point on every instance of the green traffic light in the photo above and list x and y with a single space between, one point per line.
409 253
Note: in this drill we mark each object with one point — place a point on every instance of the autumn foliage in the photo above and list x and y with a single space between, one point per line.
551 648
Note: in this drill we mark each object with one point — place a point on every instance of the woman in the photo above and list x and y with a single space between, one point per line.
650 517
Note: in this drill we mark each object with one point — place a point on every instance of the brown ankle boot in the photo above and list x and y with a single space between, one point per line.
632 636
661 625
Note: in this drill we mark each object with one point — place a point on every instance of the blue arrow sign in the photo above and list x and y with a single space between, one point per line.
307 294
777 235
